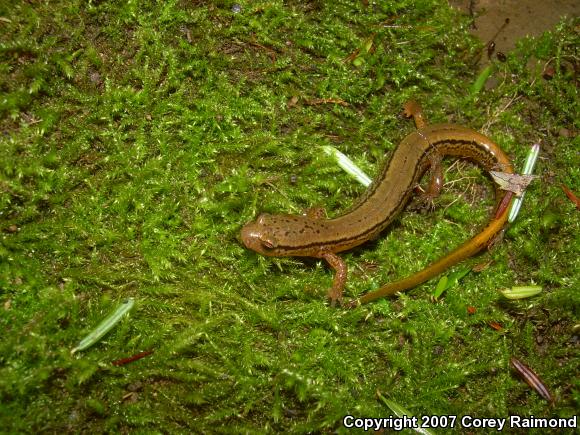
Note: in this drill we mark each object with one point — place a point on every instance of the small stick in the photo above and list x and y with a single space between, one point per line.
123 361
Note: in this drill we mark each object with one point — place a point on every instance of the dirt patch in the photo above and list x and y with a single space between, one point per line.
526 18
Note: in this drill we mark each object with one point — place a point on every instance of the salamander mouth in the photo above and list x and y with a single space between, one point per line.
251 236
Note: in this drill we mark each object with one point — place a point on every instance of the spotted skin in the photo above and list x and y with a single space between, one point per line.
312 235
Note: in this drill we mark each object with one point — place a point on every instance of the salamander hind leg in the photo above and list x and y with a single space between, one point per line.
341 270
412 108
425 200
435 182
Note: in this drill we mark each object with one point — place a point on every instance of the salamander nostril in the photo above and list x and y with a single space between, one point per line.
248 236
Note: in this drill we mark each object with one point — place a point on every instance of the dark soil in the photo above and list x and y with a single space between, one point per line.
526 18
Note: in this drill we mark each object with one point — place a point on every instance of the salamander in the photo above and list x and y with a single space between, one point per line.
313 235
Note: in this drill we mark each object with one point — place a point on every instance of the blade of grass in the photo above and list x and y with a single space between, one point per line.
521 292
481 79
401 412
348 165
105 326
528 169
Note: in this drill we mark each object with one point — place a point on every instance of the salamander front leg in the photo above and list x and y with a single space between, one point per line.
341 270
425 199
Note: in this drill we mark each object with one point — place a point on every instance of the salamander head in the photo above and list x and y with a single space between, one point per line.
275 235
259 235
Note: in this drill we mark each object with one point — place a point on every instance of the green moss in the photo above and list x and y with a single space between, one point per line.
137 138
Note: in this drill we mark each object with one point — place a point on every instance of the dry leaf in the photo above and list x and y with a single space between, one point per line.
571 196
515 183
292 102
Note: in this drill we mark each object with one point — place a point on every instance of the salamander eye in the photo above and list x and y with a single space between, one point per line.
269 242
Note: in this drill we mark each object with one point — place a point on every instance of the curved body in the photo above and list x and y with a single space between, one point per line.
312 235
